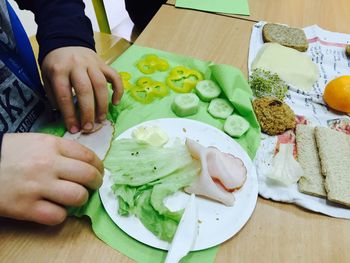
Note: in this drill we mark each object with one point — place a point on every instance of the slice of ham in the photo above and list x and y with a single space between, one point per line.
99 141
289 136
204 184
226 169
220 173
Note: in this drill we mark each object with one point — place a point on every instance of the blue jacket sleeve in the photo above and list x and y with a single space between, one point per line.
61 23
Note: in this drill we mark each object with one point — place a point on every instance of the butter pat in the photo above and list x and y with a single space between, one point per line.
152 135
294 67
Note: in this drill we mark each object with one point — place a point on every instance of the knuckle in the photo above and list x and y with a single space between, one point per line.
92 178
100 84
45 164
69 118
80 196
64 99
76 59
42 164
57 68
49 217
82 88
87 114
90 175
31 188
89 156
51 140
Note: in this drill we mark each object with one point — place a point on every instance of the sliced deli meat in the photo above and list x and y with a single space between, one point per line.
220 173
226 169
99 140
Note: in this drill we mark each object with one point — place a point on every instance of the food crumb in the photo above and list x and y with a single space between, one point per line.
199 221
184 130
217 219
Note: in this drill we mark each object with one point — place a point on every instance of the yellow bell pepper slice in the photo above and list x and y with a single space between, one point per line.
147 89
143 95
182 79
126 77
152 63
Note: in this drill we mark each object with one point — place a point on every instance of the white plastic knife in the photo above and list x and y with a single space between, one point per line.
186 233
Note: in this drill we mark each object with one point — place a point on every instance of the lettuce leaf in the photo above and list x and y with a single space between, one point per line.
144 175
160 225
135 163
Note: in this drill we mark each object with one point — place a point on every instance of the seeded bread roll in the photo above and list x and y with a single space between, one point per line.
347 50
312 180
285 36
334 151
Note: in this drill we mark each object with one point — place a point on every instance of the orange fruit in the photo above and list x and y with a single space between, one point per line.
337 94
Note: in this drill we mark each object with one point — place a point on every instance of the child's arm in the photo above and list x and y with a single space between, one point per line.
67 60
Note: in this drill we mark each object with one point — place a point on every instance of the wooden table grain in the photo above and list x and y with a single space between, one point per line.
200 35
330 15
276 232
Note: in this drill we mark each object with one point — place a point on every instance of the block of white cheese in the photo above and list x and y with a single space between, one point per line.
294 67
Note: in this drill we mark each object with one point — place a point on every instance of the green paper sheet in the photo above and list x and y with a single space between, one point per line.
129 113
238 7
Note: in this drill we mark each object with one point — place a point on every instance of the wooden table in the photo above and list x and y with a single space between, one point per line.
276 232
108 47
330 15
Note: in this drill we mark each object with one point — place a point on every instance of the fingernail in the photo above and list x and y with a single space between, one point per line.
88 126
73 129
102 117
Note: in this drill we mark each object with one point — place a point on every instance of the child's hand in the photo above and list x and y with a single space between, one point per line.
40 174
81 69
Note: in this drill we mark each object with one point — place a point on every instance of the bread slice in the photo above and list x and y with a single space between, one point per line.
334 151
285 36
312 181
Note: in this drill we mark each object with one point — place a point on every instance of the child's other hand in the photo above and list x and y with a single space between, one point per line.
81 69
40 174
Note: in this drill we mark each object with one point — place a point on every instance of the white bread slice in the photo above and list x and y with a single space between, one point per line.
334 151
312 181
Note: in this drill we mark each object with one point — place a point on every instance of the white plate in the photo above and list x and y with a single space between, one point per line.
217 222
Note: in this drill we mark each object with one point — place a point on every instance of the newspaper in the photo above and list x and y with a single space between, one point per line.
327 51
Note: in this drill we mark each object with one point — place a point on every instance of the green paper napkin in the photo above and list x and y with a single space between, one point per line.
239 7
129 113
235 88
